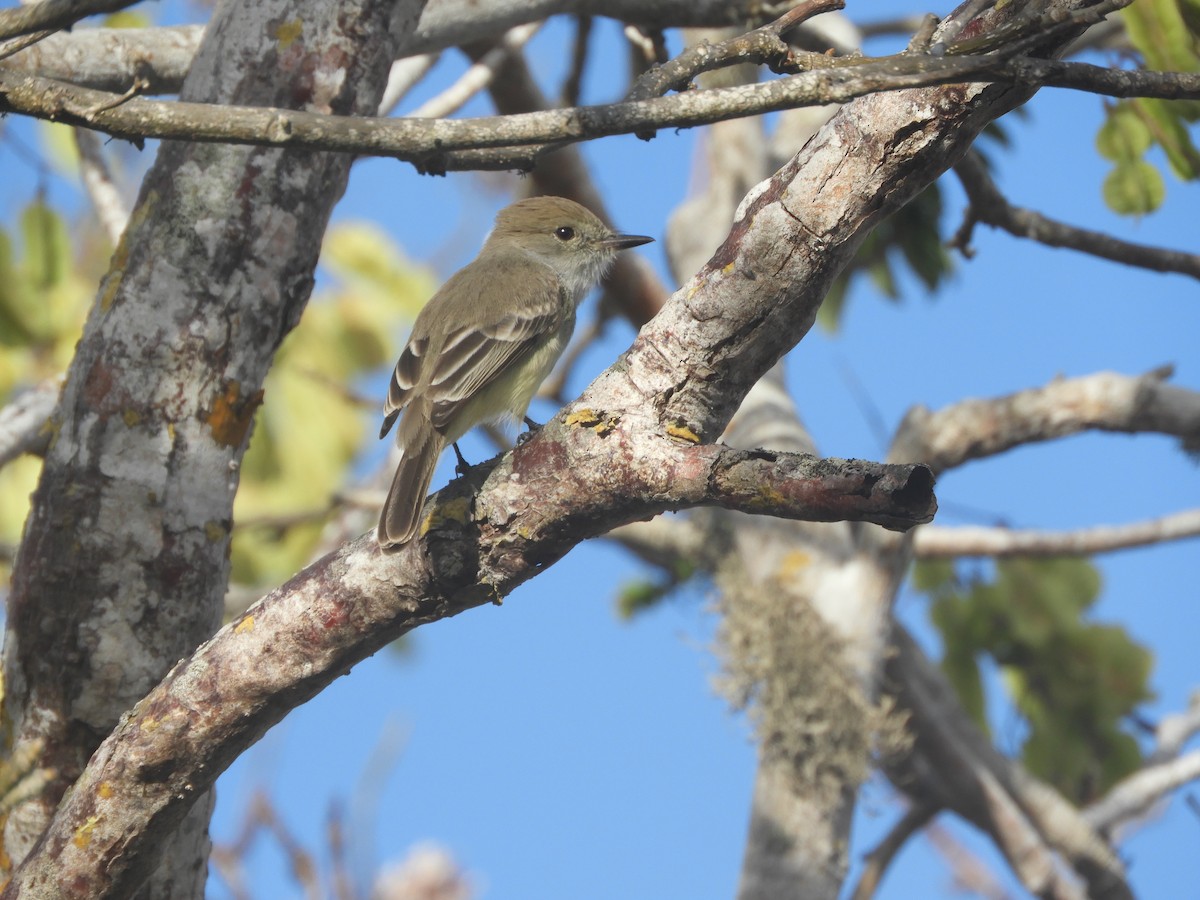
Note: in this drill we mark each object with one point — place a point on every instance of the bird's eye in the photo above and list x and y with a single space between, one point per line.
564 233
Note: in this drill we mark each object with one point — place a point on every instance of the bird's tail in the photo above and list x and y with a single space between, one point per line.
420 447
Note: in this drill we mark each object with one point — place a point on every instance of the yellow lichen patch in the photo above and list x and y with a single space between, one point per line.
105 791
582 418
231 414
772 498
215 531
131 417
727 268
287 33
171 431
793 564
111 283
149 724
601 423
451 511
244 626
683 433
51 429
83 834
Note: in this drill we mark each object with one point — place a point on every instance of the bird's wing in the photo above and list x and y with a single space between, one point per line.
472 357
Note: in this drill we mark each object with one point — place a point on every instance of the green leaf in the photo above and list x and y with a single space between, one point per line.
47 245
1134 189
636 597
59 148
1158 30
930 576
15 300
1125 136
1170 131
1075 682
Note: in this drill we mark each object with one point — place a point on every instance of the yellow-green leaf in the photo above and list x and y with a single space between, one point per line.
1134 189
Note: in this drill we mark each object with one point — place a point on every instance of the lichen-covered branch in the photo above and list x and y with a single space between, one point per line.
1106 401
429 144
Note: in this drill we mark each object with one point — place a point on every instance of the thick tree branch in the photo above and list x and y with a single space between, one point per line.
348 605
940 542
987 205
1106 401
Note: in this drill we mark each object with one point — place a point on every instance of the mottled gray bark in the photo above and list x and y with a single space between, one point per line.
124 561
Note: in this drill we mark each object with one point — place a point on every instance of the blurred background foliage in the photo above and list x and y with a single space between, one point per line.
310 431
1074 683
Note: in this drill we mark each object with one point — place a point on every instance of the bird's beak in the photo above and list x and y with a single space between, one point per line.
625 241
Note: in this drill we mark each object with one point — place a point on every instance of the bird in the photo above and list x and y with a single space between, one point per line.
487 339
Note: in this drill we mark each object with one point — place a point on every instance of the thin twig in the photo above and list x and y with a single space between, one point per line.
939 542
579 54
988 205
53 15
404 75
477 77
110 207
878 860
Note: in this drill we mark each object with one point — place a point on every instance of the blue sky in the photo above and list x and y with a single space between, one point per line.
559 752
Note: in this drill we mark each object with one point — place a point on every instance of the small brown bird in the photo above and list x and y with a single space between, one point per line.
488 338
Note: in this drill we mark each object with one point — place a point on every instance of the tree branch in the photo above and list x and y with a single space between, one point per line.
1106 401
108 59
989 206
49 15
427 144
23 420
938 542
353 602
877 861
1135 795
953 765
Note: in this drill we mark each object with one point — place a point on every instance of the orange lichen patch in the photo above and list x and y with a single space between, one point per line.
231 414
